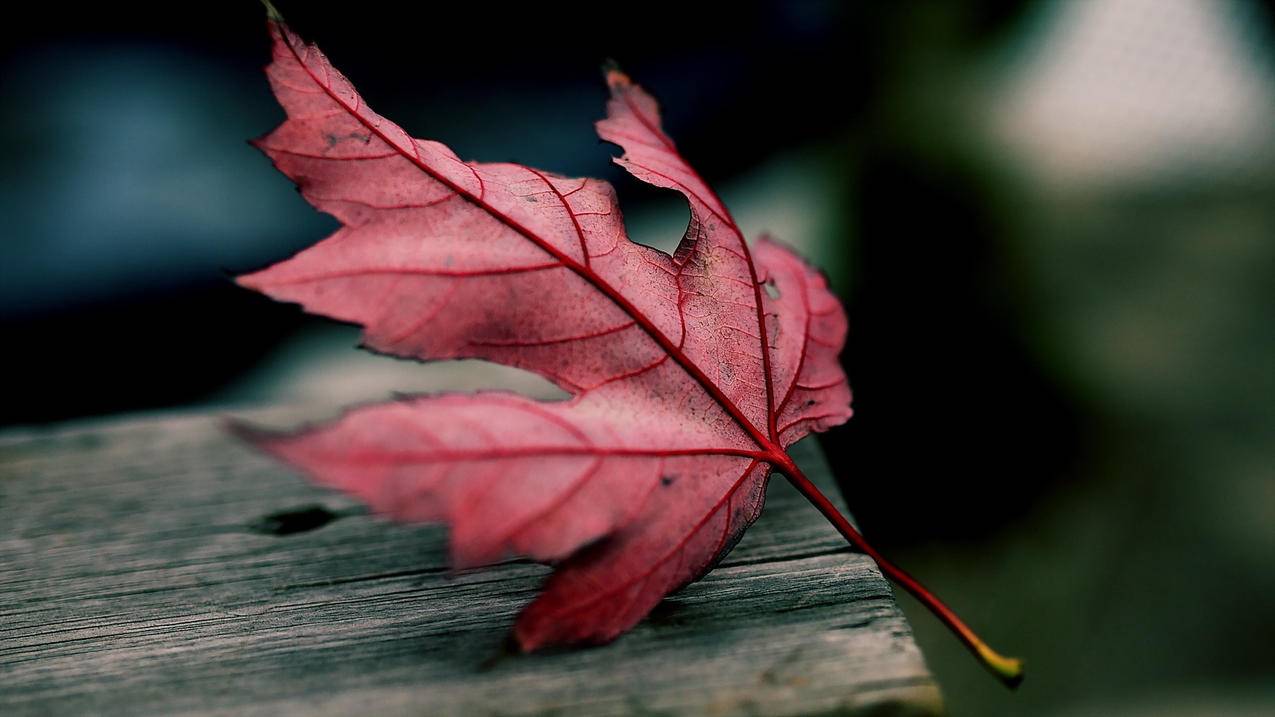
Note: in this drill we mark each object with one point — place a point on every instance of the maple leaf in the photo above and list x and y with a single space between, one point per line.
690 375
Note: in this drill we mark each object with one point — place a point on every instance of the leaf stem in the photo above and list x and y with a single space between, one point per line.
1008 669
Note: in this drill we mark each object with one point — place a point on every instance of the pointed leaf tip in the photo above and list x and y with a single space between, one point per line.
272 13
615 77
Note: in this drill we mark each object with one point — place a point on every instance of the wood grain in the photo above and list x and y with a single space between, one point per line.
140 573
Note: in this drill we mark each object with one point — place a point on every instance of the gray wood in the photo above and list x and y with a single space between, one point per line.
137 576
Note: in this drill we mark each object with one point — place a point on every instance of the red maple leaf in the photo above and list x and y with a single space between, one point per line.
690 374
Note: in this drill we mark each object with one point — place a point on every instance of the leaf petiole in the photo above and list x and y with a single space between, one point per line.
1008 669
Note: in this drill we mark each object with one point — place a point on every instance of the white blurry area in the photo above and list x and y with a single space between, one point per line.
1127 90
792 197
1140 136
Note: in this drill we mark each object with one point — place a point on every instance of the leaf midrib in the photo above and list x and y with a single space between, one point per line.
774 452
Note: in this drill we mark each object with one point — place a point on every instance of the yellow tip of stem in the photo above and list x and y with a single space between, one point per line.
1008 669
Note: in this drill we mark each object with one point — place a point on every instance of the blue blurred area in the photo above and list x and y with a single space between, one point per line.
128 176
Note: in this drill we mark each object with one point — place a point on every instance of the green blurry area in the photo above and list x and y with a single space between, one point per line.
1120 156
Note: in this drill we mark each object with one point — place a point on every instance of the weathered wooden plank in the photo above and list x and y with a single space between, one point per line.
137 576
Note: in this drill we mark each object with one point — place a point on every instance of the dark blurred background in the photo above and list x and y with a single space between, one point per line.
1053 225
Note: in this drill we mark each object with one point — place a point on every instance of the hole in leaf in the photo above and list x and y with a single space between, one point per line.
654 217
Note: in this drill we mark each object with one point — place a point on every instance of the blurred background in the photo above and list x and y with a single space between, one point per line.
1053 224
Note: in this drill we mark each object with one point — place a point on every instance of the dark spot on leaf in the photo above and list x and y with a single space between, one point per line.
811 402
531 199
333 139
667 481
289 522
